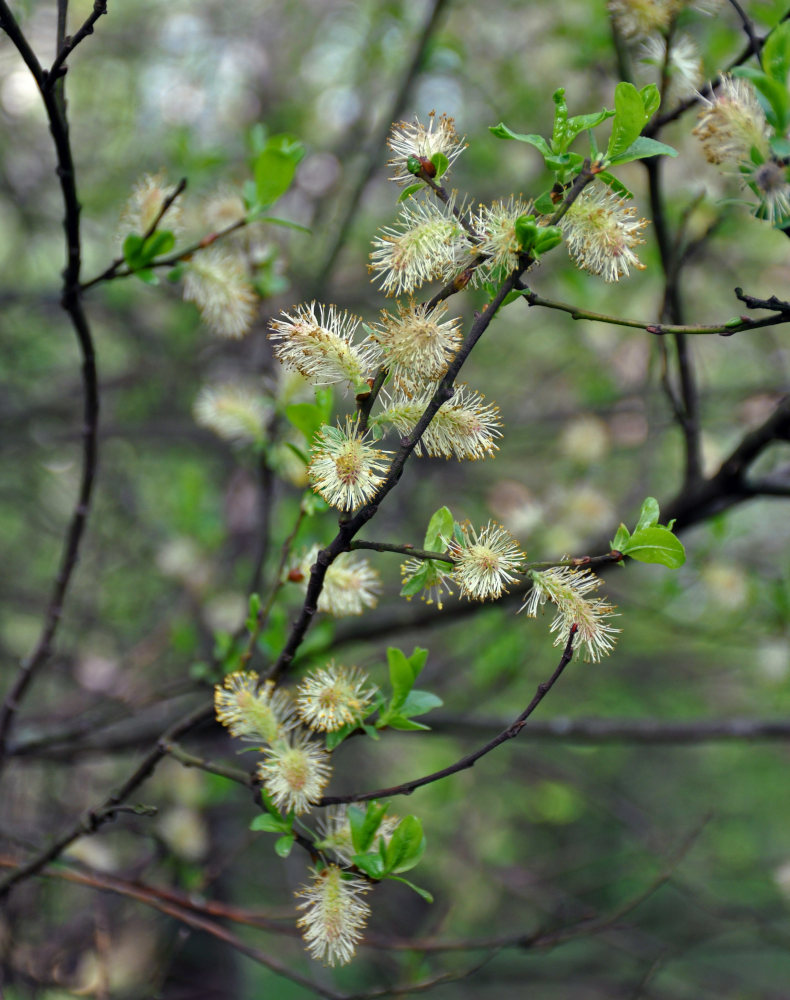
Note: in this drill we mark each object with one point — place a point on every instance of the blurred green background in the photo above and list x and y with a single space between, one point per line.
542 834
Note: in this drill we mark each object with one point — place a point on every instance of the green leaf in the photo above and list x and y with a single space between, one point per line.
616 185
147 276
514 296
274 167
401 676
775 103
649 514
558 143
620 539
582 123
273 175
440 161
415 888
417 582
544 205
131 248
371 864
417 661
256 137
642 147
324 399
440 528
419 702
655 545
776 53
629 120
780 146
651 99
401 723
409 191
548 237
501 131
283 845
160 242
336 736
406 846
286 224
254 608
526 230
268 824
305 417
365 825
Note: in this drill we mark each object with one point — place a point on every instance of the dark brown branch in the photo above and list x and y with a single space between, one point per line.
405 550
377 140
689 732
197 917
689 415
350 525
755 44
72 303
106 811
70 43
655 126
470 759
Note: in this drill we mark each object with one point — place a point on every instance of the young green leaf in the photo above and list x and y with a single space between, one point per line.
305 417
620 539
501 131
440 528
275 166
283 845
640 149
649 514
440 161
371 864
401 676
655 545
776 53
406 846
419 702
253 610
365 824
629 120
407 192
268 824
415 888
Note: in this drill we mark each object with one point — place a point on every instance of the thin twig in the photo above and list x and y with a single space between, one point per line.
407 787
71 302
405 550
68 44
748 27
370 153
352 524
725 329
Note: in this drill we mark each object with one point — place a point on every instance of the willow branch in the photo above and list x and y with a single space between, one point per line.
470 759
351 525
71 43
726 329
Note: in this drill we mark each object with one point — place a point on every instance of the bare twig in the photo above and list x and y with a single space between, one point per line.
407 787
71 302
68 44
377 140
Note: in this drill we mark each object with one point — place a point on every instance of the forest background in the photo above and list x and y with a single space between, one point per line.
633 840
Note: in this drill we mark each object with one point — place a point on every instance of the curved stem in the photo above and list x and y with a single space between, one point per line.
71 301
471 759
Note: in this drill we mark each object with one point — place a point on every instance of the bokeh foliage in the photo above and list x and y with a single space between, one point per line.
543 833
